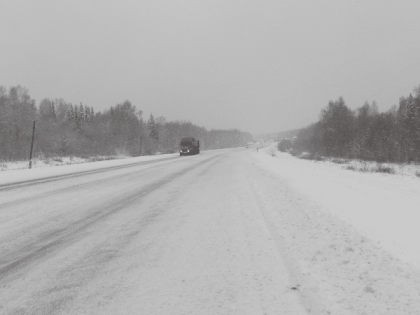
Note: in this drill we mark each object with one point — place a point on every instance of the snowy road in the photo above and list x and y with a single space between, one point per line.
207 234
183 237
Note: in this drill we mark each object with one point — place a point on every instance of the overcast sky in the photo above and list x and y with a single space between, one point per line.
259 66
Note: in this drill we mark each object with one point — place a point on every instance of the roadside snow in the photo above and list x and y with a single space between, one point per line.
20 175
335 269
383 207
42 161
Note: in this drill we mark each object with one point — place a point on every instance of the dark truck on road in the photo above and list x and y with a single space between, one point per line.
189 146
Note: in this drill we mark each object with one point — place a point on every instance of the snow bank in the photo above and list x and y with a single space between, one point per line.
382 207
16 176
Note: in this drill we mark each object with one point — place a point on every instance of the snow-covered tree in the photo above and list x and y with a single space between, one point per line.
151 125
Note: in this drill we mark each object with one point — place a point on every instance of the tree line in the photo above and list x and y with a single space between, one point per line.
366 133
66 129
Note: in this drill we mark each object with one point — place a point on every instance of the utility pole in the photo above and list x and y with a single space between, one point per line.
32 146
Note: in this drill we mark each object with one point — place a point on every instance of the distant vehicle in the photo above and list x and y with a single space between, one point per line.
189 146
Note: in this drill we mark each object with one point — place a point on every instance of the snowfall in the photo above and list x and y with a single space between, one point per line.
349 239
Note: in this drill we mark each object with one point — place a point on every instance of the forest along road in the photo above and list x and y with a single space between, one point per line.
185 236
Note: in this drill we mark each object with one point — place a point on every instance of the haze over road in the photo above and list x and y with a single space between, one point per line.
183 236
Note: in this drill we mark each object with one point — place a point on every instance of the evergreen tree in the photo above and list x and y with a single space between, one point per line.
411 117
52 113
82 116
17 112
77 120
87 113
45 108
121 128
70 113
338 122
151 125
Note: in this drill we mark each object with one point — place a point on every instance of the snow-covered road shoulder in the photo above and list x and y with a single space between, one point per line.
26 175
353 235
382 207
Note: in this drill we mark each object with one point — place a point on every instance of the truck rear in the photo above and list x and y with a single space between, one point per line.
189 146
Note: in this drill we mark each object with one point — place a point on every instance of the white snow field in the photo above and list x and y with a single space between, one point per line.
383 207
223 232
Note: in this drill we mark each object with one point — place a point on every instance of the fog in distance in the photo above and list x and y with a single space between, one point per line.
259 66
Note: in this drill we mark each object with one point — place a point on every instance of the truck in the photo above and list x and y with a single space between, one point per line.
189 146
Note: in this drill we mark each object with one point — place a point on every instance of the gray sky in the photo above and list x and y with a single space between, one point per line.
260 66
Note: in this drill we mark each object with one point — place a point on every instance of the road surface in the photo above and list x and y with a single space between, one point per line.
214 233
184 236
